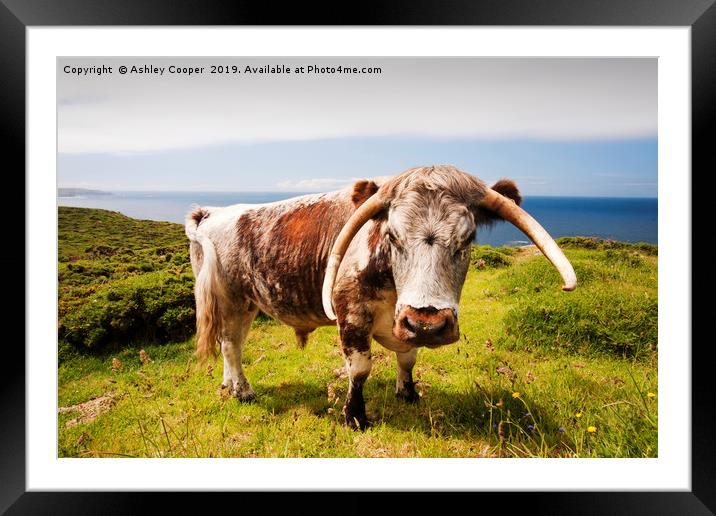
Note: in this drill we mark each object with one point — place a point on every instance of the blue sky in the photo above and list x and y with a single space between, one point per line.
571 127
624 168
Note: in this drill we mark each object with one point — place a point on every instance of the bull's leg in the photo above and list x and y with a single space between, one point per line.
356 352
232 344
404 386
358 364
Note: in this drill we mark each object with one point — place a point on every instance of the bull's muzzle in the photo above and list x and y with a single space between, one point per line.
426 326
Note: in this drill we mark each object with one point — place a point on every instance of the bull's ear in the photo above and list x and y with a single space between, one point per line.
506 187
362 190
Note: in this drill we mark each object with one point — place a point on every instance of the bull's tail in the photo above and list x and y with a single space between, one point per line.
208 288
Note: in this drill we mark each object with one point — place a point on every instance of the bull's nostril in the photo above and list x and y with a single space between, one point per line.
439 326
410 324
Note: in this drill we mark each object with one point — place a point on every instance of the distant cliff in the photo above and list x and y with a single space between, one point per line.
79 192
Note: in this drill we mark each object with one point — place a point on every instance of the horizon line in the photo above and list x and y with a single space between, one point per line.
307 192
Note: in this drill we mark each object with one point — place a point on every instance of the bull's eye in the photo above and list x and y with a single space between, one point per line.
394 239
465 245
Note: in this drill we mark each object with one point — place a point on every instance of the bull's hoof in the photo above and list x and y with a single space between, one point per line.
356 421
241 391
407 392
408 395
246 397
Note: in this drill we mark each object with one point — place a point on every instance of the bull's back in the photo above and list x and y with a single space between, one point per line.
278 255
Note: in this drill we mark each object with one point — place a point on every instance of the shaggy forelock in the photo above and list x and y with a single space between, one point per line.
442 180
432 204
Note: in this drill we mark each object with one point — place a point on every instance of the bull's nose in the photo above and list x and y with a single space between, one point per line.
428 323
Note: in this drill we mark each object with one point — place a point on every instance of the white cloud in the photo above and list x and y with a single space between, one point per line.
319 184
440 98
610 174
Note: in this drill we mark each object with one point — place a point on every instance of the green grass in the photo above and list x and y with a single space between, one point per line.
590 352
613 311
88 233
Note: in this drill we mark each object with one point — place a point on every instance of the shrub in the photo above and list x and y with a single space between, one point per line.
181 258
485 256
156 307
578 242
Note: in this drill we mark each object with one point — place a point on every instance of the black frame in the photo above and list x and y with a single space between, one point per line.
16 15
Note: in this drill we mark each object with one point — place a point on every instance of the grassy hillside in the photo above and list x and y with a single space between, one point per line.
121 280
538 372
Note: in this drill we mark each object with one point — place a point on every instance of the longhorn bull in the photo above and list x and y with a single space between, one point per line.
385 260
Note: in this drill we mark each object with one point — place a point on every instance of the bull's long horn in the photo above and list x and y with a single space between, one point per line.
508 210
366 210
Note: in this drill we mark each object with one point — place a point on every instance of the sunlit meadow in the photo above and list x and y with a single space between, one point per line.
537 373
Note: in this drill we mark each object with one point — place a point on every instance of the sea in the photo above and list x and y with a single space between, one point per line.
616 218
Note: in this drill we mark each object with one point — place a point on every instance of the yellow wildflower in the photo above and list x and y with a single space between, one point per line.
591 429
578 414
650 395
516 394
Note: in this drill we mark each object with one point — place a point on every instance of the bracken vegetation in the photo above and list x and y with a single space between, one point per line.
538 372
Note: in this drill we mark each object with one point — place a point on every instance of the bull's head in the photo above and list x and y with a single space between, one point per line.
432 216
